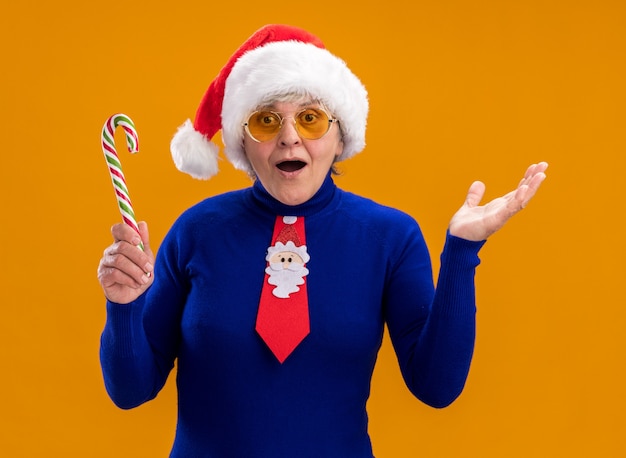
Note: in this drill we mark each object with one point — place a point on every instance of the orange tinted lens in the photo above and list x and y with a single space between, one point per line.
312 123
263 125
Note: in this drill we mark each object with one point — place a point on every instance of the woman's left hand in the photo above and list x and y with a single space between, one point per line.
474 222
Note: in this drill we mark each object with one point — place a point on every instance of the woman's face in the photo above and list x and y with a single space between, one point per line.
292 168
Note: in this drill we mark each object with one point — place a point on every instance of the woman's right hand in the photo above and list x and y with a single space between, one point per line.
125 271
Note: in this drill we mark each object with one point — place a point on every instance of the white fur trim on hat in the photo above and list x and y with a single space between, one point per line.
193 153
287 67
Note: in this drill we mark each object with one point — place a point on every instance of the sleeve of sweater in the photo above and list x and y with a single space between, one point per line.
140 340
433 332
132 374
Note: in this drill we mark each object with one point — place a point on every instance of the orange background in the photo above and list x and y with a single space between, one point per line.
459 90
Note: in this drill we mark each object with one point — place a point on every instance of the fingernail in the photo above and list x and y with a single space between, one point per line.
148 267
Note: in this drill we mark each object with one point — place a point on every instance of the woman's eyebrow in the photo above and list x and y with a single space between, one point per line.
272 106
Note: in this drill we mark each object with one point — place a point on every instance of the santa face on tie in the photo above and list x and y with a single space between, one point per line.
286 268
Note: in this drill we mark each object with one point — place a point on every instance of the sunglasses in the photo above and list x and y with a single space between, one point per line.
311 123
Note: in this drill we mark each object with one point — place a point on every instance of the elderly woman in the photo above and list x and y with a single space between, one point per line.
273 299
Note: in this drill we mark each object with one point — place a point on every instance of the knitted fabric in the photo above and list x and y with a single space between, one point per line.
369 267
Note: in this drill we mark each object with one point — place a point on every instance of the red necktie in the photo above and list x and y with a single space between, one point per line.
283 316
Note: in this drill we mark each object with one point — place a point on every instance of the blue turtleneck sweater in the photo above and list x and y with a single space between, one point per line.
369 267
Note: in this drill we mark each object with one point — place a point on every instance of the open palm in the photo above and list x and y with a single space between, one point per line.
477 222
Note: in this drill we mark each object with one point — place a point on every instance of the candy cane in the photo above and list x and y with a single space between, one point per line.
115 167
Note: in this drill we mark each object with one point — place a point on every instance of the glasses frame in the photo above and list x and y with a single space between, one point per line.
282 118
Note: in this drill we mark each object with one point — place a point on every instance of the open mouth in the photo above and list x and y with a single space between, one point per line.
290 166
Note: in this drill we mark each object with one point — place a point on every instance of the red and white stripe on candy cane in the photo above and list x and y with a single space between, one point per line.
115 166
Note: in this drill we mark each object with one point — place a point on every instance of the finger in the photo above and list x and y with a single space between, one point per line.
534 184
475 194
534 169
529 171
125 257
532 179
526 192
142 258
541 167
145 236
116 270
520 199
123 232
110 277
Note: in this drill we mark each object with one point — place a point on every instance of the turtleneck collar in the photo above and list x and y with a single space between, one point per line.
320 200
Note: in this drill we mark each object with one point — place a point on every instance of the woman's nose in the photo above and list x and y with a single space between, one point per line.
288 134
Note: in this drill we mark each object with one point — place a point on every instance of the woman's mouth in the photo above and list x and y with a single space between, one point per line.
290 166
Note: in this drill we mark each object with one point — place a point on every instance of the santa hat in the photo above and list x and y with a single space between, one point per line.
276 60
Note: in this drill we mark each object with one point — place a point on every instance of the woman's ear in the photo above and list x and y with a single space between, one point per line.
339 151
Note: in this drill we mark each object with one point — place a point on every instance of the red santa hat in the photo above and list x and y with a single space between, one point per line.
276 60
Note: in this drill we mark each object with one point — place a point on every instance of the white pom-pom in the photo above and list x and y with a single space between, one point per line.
193 153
